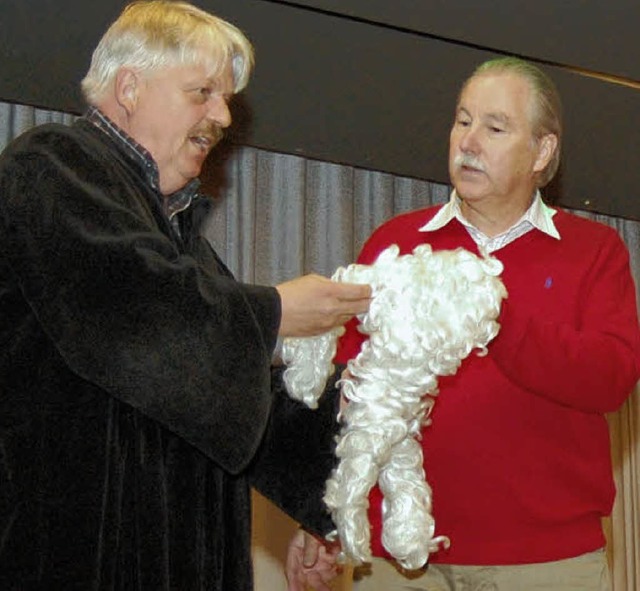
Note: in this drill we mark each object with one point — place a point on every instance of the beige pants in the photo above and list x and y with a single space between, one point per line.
588 572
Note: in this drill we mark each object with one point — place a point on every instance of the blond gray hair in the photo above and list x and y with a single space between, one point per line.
152 34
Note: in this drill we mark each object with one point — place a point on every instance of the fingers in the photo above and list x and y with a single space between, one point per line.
353 291
310 550
313 305
310 563
315 582
351 299
293 567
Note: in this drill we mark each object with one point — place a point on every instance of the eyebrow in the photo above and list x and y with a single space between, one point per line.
498 117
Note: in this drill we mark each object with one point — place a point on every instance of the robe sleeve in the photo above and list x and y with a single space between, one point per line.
297 455
126 308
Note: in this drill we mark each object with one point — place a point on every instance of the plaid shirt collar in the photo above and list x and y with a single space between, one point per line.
171 204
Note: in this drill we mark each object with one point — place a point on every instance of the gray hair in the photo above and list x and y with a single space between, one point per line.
546 115
151 34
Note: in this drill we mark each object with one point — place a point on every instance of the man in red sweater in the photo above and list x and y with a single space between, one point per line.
517 453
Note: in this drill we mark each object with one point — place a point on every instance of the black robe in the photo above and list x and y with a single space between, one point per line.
137 400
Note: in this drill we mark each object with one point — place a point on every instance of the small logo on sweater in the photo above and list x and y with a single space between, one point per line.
548 283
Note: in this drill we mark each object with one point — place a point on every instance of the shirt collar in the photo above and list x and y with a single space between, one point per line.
539 216
171 204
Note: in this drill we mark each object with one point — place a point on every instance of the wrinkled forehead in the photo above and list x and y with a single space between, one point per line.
501 94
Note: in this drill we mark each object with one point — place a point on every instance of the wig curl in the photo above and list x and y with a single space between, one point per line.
429 311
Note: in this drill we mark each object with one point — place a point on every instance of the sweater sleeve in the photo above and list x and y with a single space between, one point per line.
129 311
591 364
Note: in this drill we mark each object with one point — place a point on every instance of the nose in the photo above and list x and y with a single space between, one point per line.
218 111
468 140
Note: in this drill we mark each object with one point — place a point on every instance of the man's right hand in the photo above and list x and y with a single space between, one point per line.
313 304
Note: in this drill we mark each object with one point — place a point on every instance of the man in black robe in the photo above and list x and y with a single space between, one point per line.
137 398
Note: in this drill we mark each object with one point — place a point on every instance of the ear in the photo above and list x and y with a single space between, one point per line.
127 86
546 146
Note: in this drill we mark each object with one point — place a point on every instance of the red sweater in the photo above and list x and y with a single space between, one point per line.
518 452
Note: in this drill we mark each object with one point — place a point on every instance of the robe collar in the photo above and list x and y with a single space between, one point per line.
171 204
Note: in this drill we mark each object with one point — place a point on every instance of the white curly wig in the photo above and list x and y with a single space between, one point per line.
429 310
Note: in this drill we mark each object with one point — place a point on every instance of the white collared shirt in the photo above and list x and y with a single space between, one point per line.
539 215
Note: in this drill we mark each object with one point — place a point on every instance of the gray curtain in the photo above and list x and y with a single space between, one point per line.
277 216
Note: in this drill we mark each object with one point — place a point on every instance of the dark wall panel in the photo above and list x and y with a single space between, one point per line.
45 47
588 34
337 87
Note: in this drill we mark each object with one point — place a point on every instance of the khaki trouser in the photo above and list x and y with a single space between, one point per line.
588 572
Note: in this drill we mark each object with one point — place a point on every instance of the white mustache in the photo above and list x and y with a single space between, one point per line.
214 134
469 161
